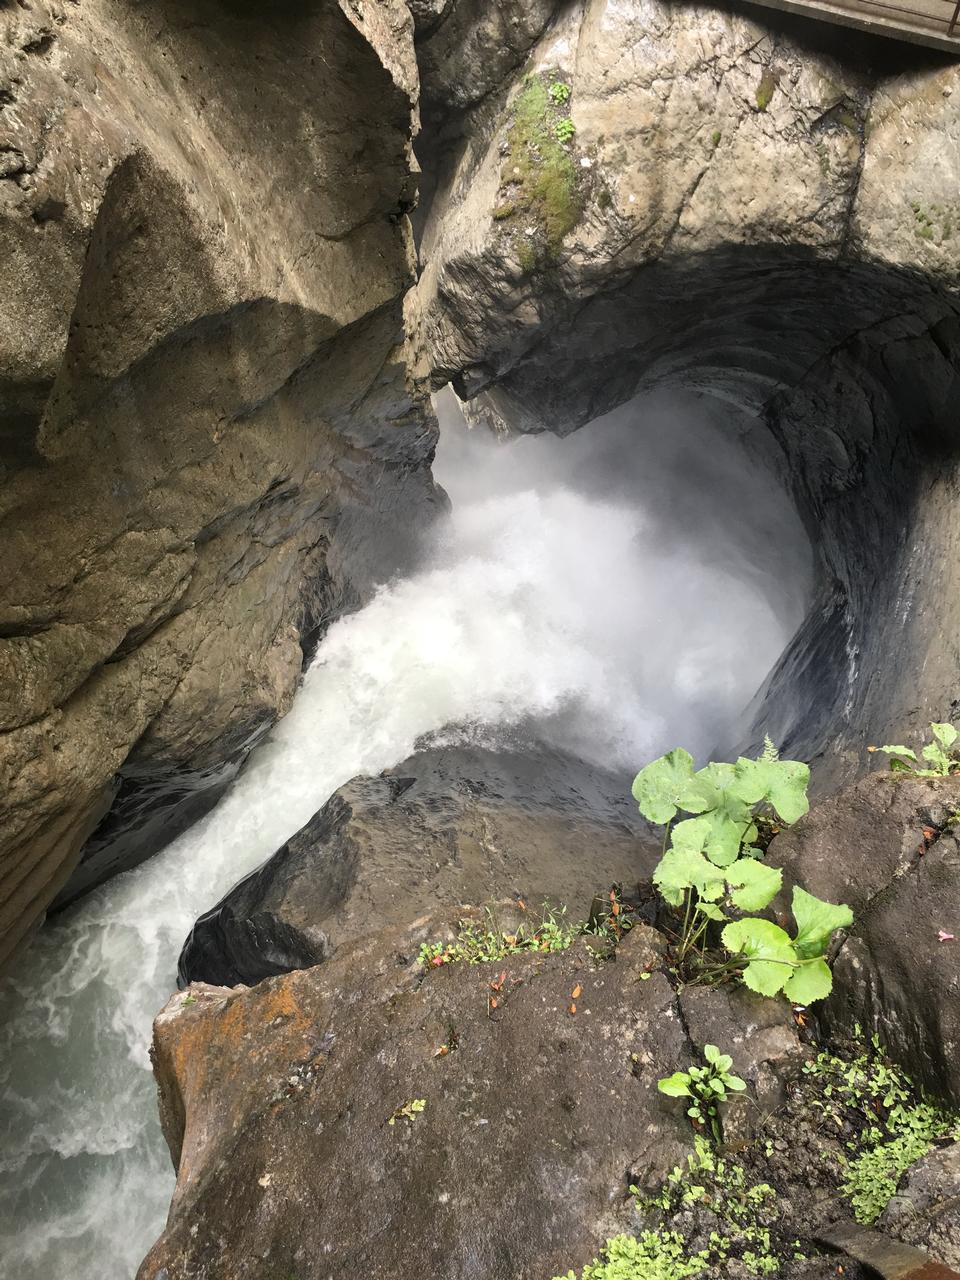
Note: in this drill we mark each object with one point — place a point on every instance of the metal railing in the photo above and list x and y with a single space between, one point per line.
925 16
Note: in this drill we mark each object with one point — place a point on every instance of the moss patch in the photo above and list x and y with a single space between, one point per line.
936 222
890 1125
540 183
766 88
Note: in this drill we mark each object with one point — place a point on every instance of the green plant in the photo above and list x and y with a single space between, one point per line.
539 180
940 754
485 943
894 1125
564 129
766 88
706 1087
651 1255
872 1178
559 92
713 865
409 1111
739 1222
742 1210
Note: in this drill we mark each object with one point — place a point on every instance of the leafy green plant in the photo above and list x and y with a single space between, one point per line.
564 129
941 755
409 1111
650 1255
872 1178
559 92
706 1087
890 1122
713 865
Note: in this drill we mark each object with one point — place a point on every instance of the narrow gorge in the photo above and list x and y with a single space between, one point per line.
415 419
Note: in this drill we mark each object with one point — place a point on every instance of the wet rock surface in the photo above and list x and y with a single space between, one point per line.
377 1115
445 827
200 389
277 1100
887 847
540 1108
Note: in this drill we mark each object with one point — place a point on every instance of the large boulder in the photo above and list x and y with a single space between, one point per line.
886 846
203 377
540 1108
447 826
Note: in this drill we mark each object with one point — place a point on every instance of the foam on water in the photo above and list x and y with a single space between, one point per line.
585 588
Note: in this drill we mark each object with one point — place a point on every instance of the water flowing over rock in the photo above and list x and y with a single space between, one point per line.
203 379
447 826
216 439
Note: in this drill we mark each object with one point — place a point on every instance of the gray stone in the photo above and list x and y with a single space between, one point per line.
926 1209
752 227
203 376
445 827
886 847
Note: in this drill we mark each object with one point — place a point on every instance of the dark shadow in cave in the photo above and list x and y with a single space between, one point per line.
855 369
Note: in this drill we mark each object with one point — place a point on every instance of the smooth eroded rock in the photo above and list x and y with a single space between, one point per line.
277 1101
447 826
765 217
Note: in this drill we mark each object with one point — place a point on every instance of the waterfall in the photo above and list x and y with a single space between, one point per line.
618 593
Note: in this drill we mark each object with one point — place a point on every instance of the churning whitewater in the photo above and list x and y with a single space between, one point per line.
605 592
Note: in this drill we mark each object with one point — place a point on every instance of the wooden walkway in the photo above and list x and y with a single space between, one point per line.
934 23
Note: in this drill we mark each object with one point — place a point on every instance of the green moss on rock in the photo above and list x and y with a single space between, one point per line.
766 88
539 179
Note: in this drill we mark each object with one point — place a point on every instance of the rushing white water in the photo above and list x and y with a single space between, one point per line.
621 591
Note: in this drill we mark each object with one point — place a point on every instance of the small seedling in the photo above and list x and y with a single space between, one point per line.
187 1001
559 92
706 1087
409 1111
564 129
941 755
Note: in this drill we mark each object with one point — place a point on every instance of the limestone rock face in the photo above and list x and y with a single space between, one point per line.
203 374
887 847
447 826
277 1102
772 226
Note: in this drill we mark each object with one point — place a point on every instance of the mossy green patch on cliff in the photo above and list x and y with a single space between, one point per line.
539 183
936 222
890 1122
742 1213
766 88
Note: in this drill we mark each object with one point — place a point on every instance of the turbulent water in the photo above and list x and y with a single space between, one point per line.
622 591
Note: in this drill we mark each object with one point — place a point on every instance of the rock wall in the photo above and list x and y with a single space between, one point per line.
210 444
775 225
